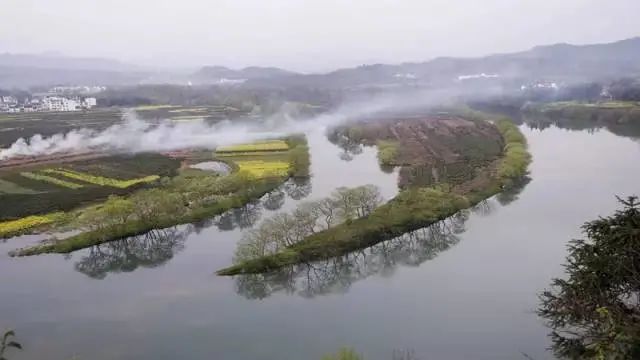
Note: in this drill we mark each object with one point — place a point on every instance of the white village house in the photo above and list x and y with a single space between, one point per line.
61 103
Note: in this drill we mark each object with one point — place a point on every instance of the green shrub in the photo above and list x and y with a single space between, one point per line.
516 158
387 152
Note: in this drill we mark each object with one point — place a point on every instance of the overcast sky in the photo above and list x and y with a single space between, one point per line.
305 35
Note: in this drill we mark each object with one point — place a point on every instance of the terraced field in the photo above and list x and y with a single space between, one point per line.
46 189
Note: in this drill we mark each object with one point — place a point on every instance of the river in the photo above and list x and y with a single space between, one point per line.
463 289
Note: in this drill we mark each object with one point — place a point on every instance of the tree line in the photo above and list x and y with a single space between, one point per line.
288 228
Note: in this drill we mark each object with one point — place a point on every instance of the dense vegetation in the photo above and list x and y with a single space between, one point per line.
595 312
268 249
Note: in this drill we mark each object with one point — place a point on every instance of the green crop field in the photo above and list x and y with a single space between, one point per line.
45 189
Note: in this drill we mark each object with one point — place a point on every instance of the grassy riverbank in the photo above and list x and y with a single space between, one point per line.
189 197
138 226
412 209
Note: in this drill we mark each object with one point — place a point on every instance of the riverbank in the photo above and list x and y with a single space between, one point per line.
138 227
415 207
603 112
186 198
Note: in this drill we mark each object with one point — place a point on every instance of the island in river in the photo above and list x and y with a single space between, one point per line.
447 163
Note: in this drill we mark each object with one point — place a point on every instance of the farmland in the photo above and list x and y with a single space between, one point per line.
148 191
211 113
25 125
264 146
259 159
63 187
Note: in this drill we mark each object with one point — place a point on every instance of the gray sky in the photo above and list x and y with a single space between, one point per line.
305 35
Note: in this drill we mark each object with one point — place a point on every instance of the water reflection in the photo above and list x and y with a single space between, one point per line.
149 250
298 188
248 215
336 275
512 193
159 246
349 147
621 126
274 200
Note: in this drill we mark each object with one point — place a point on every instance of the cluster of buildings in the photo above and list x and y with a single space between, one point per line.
9 104
81 89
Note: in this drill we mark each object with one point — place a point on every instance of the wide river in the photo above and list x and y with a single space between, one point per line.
464 289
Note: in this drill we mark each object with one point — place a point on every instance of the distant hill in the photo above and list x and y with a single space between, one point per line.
214 74
25 77
556 63
26 70
46 61
559 62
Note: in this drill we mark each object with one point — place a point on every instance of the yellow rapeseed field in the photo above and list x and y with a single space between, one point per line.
50 179
271 145
14 227
100 180
261 169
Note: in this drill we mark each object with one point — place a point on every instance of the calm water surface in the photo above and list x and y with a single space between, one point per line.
464 289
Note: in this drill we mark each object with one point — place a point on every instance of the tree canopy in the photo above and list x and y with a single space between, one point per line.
595 312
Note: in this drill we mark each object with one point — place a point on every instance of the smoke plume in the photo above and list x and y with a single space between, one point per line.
135 135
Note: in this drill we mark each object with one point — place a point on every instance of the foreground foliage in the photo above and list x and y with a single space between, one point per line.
7 343
595 311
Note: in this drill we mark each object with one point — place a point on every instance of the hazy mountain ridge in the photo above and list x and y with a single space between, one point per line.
65 62
557 62
216 73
